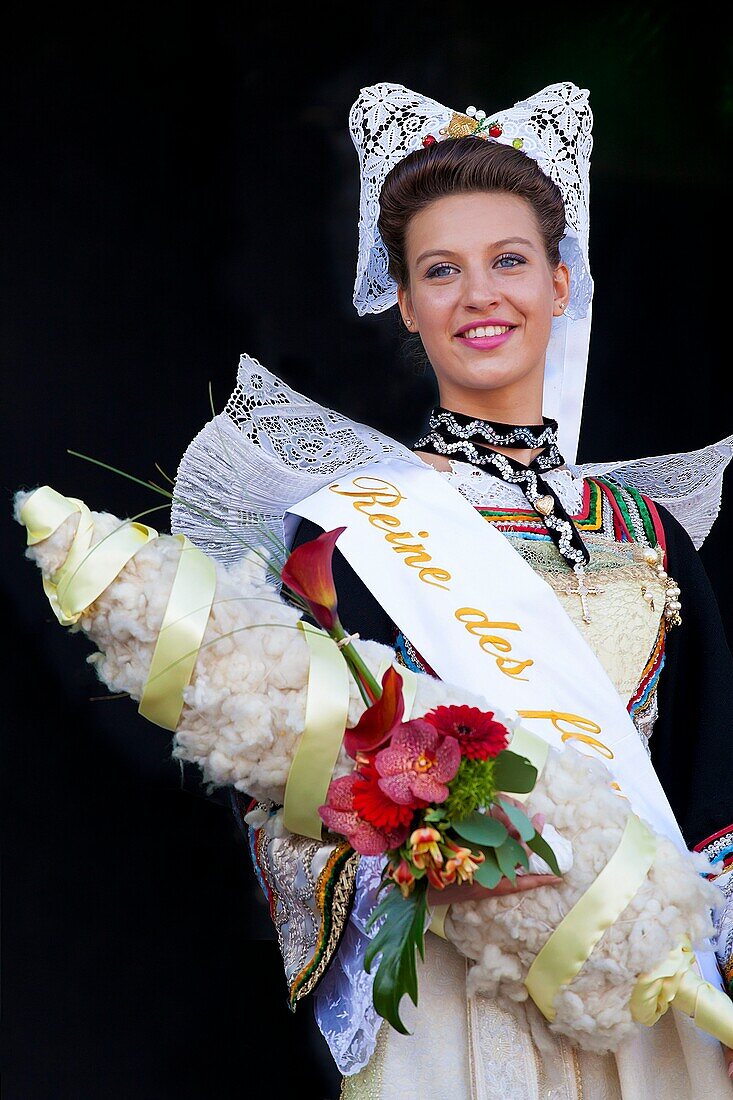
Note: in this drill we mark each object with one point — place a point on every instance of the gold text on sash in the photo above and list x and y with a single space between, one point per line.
374 492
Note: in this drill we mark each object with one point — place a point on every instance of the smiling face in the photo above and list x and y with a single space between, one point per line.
477 263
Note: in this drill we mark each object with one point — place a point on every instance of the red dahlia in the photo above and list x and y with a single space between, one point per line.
478 735
374 806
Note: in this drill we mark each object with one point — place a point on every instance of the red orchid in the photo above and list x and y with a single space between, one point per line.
308 572
418 763
478 734
340 815
377 722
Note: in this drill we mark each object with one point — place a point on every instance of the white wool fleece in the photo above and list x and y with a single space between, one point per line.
245 705
243 715
503 935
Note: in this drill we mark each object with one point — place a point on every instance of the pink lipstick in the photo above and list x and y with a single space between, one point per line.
483 343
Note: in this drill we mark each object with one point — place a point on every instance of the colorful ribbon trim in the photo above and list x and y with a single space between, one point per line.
326 711
181 634
674 983
572 942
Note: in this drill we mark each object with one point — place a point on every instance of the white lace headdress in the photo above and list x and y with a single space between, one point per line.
388 121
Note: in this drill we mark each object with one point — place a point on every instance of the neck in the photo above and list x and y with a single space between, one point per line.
502 406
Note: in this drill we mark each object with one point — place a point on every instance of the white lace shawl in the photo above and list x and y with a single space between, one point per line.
273 446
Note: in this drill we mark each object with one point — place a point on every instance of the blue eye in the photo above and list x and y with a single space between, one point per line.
511 256
444 269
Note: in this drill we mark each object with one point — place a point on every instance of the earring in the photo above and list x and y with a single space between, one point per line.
408 322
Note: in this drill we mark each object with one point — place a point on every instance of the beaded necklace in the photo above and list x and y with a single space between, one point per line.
453 433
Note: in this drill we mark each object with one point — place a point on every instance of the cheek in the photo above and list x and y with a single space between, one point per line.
434 307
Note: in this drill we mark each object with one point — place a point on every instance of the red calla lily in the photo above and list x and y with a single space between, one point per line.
380 719
308 572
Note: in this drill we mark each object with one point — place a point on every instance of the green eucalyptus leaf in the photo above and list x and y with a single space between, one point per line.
539 845
481 829
519 819
401 934
509 855
514 774
488 873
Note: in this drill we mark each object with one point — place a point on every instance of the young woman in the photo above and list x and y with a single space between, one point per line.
479 235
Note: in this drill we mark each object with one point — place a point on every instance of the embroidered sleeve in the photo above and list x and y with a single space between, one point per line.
309 887
719 850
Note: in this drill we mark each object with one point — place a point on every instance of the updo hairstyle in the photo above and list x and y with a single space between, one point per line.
464 165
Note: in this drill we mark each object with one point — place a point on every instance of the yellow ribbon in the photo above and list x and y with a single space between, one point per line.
84 583
88 570
43 513
326 711
674 983
601 905
181 634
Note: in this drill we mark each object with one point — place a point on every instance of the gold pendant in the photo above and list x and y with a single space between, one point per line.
544 505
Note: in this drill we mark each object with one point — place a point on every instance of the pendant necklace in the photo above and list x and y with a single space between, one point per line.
455 434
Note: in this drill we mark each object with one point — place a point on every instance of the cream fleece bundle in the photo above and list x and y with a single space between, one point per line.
243 715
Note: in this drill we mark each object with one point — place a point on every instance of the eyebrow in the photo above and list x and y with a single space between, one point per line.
496 244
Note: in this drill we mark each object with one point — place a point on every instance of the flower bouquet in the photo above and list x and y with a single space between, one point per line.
216 655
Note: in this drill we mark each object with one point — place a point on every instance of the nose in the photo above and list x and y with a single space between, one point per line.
481 291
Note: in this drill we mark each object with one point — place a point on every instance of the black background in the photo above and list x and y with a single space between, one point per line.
181 187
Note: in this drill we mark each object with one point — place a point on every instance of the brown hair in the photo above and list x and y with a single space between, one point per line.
465 164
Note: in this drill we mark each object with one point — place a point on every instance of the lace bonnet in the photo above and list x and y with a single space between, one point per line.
388 121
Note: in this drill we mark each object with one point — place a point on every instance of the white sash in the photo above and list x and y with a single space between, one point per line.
485 621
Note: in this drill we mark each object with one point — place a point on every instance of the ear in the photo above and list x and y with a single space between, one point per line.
561 289
404 301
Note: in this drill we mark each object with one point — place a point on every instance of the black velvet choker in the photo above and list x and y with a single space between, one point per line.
453 433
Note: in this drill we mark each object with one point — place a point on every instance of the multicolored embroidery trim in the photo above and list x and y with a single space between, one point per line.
408 656
256 838
719 850
642 698
628 515
527 520
333 896
241 806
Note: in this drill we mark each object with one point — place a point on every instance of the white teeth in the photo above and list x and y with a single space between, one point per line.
488 330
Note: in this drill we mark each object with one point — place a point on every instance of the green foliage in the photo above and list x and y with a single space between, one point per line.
481 829
514 774
488 873
401 935
473 785
508 855
518 818
539 845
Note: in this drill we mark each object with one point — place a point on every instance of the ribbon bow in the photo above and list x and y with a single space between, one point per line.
674 983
